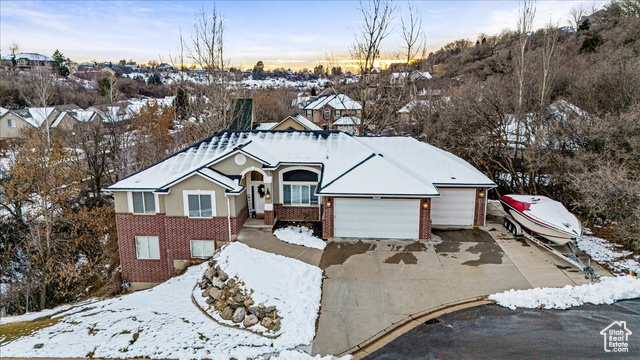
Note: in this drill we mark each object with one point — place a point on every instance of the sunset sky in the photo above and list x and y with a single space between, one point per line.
292 34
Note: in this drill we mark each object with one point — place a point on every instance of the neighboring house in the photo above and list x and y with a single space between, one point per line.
398 78
186 205
68 120
404 114
348 124
14 120
265 125
27 60
325 109
295 122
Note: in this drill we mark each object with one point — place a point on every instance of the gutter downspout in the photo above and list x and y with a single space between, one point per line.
228 215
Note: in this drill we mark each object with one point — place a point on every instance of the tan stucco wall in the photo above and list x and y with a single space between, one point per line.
238 202
228 166
276 180
174 201
121 201
11 132
289 122
67 122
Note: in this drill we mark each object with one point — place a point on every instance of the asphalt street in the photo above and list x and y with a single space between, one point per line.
494 332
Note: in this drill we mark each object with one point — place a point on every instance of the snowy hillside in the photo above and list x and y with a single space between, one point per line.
162 322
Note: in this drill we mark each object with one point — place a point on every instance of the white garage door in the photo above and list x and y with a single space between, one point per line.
376 218
455 207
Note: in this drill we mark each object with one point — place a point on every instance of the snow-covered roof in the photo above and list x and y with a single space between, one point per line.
376 166
422 74
338 102
305 122
78 114
3 111
29 56
347 120
35 116
411 104
266 125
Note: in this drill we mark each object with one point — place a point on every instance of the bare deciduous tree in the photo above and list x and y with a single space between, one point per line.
377 16
575 15
550 38
412 34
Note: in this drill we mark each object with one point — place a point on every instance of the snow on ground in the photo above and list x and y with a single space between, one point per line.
607 291
162 322
296 295
67 309
604 252
300 235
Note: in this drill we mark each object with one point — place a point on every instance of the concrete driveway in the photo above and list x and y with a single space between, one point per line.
371 284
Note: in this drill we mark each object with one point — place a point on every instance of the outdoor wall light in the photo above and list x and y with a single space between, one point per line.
481 194
268 194
425 204
328 203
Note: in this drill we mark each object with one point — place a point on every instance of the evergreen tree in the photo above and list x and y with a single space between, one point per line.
258 71
181 104
60 63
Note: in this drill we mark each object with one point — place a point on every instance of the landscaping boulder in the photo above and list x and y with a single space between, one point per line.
267 323
215 293
210 273
248 302
250 320
231 283
217 282
226 313
239 315
257 311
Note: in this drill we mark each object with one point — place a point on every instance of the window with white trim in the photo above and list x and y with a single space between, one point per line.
147 247
144 202
11 123
338 113
309 114
199 204
202 248
327 114
299 187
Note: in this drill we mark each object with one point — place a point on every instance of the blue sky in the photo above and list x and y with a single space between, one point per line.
292 34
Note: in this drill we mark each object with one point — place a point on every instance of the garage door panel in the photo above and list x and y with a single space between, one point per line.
377 218
456 207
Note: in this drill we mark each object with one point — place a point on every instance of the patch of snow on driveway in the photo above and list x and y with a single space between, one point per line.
300 235
162 322
607 291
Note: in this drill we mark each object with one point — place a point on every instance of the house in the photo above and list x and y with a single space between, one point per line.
398 78
325 109
27 60
14 120
404 114
184 206
68 120
295 122
348 124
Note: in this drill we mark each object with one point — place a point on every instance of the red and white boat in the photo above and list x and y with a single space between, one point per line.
543 216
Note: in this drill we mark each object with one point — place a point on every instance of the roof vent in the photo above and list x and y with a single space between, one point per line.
453 177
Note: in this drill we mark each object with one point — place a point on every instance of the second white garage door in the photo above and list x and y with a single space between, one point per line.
376 218
455 207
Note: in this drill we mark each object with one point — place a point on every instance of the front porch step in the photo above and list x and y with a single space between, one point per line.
253 223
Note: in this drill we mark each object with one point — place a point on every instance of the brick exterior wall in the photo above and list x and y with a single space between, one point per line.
327 218
425 220
269 218
296 213
174 235
241 217
479 216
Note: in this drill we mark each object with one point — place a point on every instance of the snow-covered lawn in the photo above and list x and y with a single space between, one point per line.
162 322
606 253
607 291
300 235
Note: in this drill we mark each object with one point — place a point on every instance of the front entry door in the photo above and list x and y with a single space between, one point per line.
257 198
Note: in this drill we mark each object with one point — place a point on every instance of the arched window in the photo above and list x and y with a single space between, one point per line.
299 187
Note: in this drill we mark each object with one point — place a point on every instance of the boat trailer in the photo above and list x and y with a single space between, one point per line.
519 231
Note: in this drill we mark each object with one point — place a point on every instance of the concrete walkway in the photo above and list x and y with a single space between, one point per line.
263 239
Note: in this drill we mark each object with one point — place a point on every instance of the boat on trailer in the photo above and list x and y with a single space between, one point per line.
548 224
543 216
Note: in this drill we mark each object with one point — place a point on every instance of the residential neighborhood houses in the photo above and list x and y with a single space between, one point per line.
380 204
